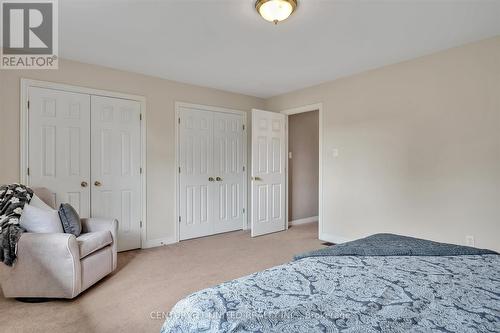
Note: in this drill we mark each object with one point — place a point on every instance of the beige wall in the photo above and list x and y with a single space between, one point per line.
160 94
303 138
418 142
419 147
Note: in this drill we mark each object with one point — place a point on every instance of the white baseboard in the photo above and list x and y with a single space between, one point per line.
333 238
304 220
158 242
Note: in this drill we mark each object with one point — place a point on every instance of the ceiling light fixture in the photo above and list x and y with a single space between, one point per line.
275 10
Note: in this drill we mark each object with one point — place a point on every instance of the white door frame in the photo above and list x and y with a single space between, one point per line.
308 108
178 106
24 132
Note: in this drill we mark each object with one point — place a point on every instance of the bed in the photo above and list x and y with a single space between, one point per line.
384 282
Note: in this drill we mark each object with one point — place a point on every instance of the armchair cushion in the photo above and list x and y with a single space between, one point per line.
45 196
37 202
93 241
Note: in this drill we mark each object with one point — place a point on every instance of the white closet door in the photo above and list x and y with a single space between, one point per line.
228 171
268 172
115 166
59 149
196 169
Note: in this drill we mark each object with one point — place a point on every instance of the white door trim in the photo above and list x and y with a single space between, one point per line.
24 133
302 109
178 106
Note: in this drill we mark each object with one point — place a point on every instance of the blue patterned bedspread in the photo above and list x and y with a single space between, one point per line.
394 245
352 294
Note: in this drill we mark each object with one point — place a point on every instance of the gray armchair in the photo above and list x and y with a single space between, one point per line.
61 265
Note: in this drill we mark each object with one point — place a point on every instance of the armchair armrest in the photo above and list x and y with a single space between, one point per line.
47 265
98 224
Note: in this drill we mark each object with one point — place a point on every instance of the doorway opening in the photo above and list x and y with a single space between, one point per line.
304 192
303 167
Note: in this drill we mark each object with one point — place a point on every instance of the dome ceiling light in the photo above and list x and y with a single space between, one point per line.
275 10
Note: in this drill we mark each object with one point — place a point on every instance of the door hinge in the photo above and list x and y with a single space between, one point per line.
140 223
179 120
140 116
243 168
243 210
28 171
179 169
179 219
28 104
243 126
140 170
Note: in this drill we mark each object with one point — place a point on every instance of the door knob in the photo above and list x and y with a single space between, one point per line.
210 179
218 179
97 183
83 184
256 178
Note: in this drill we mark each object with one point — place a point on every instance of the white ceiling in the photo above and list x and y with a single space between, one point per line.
224 44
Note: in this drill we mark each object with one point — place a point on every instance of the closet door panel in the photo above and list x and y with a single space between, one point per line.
228 167
196 167
59 145
116 163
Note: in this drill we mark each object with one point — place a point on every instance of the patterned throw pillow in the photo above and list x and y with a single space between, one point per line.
70 219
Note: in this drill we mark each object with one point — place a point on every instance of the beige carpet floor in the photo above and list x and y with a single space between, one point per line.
149 282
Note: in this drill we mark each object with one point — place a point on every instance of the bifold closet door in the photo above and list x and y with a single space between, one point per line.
115 166
59 145
196 182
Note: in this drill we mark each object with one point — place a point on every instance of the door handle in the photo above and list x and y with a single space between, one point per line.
83 184
256 178
218 179
97 183
210 179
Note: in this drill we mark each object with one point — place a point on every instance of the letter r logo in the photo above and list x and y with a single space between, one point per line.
27 27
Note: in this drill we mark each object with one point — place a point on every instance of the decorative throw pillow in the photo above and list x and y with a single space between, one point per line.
70 219
40 220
